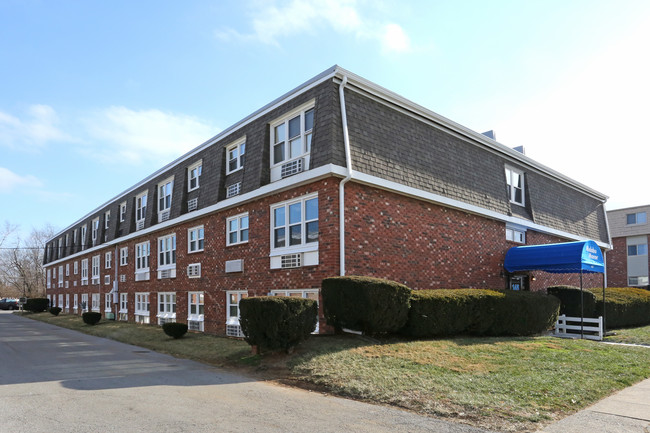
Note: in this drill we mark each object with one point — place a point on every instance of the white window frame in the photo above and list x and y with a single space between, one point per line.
236 153
49 278
165 195
124 304
194 172
235 231
94 230
141 203
75 267
94 297
95 269
512 190
142 256
108 301
196 310
124 256
107 219
640 280
304 245
302 293
75 300
232 301
67 269
166 307
74 237
84 272
84 232
515 233
142 307
304 136
60 276
122 211
60 300
67 301
84 301
167 252
195 239
108 259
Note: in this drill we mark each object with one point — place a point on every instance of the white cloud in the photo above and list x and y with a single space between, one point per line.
38 128
125 135
10 180
592 125
272 22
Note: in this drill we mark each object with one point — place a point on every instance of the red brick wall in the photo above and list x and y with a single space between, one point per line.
617 263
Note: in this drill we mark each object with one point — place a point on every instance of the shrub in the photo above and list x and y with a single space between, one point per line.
277 322
366 304
479 312
55 310
175 330
569 297
37 305
91 317
626 306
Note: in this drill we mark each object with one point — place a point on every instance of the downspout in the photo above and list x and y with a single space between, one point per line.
348 163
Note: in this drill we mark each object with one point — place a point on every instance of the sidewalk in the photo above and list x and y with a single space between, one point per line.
627 411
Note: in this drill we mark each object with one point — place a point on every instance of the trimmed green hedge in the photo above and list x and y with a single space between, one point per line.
626 306
277 322
37 305
366 304
91 317
569 297
479 312
55 310
175 330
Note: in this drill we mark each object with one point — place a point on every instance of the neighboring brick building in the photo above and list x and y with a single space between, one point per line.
256 211
627 263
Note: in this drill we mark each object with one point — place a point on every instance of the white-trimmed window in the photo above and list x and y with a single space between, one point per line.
49 278
299 293
167 252
67 301
124 304
142 251
75 267
54 272
165 189
291 141
235 154
233 328
636 218
237 229
94 230
60 276
638 281
74 237
515 234
107 219
95 301
67 240
515 182
84 302
67 269
166 307
61 301
108 259
193 175
195 310
124 256
295 223
108 300
75 300
49 300
195 239
83 236
84 272
142 307
122 211
95 270
140 210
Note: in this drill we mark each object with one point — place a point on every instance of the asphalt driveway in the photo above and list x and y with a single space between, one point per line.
55 379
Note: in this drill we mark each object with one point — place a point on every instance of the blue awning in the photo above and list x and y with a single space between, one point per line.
568 257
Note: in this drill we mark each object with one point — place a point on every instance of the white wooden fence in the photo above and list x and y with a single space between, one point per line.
570 327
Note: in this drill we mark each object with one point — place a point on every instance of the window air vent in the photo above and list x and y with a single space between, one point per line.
291 168
95 280
141 276
194 270
166 273
192 204
233 190
194 325
107 279
234 265
163 216
139 225
291 261
74 283
234 331
122 278
67 284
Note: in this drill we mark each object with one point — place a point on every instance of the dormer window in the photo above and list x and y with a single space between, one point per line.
193 175
515 182
165 199
291 143
140 210
236 153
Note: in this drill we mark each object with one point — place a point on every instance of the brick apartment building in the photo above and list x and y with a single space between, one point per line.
627 263
338 176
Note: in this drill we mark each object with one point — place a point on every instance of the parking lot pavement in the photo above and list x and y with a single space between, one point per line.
55 379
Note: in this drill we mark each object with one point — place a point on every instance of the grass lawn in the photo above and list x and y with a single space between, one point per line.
507 384
631 336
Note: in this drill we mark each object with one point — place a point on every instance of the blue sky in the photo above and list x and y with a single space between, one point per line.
96 95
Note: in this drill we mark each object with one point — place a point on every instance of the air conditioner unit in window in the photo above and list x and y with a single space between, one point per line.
291 260
165 273
194 270
234 331
192 204
163 216
95 280
291 168
141 276
194 325
139 225
107 279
